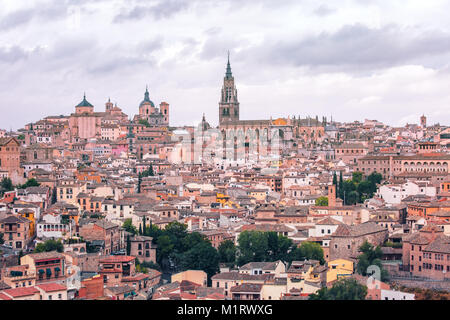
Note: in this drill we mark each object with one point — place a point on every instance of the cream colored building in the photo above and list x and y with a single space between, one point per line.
197 276
68 190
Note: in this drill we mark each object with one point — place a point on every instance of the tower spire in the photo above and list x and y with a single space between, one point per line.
228 74
146 96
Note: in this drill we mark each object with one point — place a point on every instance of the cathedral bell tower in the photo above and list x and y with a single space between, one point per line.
228 105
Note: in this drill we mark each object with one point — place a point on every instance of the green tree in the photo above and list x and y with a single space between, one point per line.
49 245
19 256
347 187
227 252
375 178
202 256
129 227
30 183
341 186
7 184
153 231
252 247
322 201
365 189
144 122
343 289
128 245
357 177
139 183
192 239
176 232
165 248
370 256
352 197
54 196
151 265
278 247
149 172
144 229
307 250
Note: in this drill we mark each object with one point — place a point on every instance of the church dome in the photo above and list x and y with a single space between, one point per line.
147 99
204 125
84 103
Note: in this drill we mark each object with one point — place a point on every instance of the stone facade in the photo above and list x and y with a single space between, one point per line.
346 240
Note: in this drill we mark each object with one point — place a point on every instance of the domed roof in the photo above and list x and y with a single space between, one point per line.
204 125
84 103
147 99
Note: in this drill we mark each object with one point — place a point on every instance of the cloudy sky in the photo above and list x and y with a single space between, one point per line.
352 59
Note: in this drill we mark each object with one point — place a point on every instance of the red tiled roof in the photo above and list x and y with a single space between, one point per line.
4 296
116 259
21 292
50 287
137 277
213 296
187 296
247 287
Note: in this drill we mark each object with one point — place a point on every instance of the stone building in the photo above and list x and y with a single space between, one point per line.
346 240
143 248
256 136
10 159
155 116
426 253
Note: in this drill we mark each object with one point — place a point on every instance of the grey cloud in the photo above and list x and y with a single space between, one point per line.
12 54
16 19
157 10
324 10
217 45
164 9
48 12
44 12
213 31
151 45
119 63
356 46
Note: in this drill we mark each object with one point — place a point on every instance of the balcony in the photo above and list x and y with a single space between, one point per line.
20 276
12 229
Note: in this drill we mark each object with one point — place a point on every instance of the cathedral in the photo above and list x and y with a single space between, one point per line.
153 115
289 132
85 123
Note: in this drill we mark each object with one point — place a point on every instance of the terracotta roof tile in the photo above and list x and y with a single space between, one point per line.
50 287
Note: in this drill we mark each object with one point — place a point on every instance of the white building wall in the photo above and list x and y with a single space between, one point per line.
396 295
